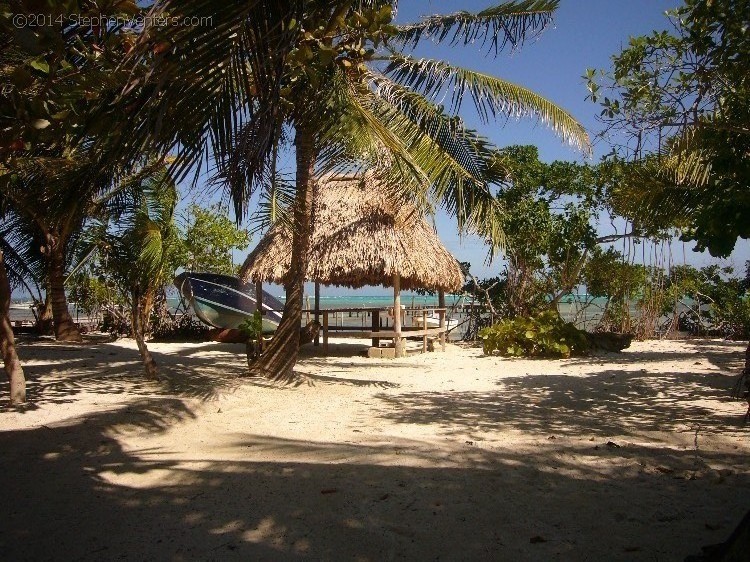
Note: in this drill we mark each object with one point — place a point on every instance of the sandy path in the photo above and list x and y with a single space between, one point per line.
436 456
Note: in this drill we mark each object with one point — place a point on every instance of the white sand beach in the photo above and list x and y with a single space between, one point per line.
633 456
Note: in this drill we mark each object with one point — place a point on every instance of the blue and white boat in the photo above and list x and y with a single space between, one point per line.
223 301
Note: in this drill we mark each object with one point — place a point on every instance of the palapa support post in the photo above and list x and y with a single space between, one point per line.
325 332
375 314
259 307
398 342
317 311
424 327
441 315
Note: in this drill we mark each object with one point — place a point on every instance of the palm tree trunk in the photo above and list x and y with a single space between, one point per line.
139 334
44 321
279 357
7 342
65 328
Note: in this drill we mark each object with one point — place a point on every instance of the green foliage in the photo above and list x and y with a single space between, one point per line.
252 327
717 302
140 249
544 335
93 293
607 274
56 69
209 238
682 100
547 213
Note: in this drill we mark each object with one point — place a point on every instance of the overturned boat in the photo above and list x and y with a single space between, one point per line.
223 301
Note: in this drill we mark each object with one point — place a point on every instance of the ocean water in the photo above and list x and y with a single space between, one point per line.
582 309
376 301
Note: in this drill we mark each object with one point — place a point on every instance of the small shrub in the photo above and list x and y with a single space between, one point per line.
252 327
544 335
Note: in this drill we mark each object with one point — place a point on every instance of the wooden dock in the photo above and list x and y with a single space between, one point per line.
376 332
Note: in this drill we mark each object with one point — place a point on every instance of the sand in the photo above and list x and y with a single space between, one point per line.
633 456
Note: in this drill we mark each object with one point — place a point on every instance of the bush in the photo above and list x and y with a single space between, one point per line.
544 335
183 328
252 327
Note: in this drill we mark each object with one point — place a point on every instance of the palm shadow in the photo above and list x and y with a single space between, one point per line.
57 373
270 498
608 402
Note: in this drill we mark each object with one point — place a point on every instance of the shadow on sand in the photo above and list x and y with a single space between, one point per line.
608 402
74 493
201 371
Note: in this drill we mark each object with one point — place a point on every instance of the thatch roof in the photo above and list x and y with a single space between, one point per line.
361 236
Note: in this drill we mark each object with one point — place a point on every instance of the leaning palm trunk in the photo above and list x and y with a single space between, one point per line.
65 328
139 333
278 359
7 342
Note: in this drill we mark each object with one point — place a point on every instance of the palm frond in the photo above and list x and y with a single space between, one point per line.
22 241
425 167
509 23
207 80
647 195
245 168
275 203
685 162
22 270
491 95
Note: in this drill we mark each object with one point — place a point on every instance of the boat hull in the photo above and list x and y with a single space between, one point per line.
223 301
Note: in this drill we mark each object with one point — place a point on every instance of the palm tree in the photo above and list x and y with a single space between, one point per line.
47 211
50 200
51 170
335 80
12 365
138 248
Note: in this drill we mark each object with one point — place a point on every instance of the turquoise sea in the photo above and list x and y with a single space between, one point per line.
582 309
377 301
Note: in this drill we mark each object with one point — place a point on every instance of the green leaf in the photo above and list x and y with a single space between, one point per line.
40 64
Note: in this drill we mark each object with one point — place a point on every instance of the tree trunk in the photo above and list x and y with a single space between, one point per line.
44 320
278 359
7 342
139 334
65 328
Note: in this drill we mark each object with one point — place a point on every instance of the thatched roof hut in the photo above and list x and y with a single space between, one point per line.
361 236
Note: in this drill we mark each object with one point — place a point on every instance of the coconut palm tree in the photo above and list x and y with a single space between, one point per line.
139 249
335 80
48 210
12 364
51 172
49 201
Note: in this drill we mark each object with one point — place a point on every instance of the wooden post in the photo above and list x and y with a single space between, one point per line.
259 306
325 332
424 327
441 315
375 326
317 311
397 341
